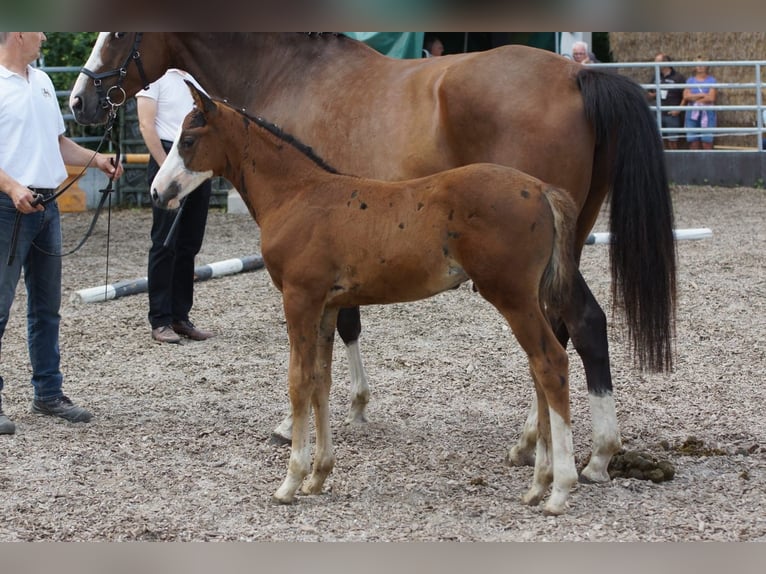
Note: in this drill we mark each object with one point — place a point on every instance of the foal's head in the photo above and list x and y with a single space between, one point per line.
194 157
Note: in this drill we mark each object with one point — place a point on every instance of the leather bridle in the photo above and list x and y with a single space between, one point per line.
107 97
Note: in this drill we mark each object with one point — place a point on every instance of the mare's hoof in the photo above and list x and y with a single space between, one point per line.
356 419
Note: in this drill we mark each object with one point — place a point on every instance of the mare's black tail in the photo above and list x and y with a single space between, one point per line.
642 249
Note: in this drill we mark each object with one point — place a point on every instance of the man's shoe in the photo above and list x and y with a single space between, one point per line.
165 334
61 407
187 329
6 424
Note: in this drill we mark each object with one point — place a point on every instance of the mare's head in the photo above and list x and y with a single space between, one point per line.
197 153
120 64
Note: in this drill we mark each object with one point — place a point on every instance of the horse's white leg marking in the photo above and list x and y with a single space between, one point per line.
543 473
300 459
360 390
564 471
523 453
324 458
285 428
606 438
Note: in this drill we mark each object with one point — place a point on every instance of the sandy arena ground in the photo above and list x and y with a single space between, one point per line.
179 448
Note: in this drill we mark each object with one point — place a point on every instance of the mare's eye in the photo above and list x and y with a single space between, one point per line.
186 142
119 35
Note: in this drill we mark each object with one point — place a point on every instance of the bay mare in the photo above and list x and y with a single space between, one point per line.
585 130
331 241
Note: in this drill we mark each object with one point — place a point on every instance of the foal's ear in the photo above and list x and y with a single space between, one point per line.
201 100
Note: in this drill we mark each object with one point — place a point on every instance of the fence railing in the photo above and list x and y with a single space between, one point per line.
756 86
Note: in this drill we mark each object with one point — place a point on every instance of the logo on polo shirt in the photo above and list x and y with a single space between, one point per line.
46 93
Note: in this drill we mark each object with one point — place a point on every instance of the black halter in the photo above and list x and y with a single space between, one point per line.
106 97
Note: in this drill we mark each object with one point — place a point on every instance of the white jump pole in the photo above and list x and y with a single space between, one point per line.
201 273
694 233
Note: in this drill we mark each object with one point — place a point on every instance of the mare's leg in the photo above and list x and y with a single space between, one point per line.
585 322
324 459
303 328
349 328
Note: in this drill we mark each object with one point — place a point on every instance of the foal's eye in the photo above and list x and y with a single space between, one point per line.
119 35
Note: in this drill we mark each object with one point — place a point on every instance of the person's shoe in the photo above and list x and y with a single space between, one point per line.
6 424
61 407
187 329
165 334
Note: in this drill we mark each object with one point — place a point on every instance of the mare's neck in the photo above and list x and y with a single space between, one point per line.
257 71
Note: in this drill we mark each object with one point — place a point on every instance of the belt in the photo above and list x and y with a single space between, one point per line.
44 191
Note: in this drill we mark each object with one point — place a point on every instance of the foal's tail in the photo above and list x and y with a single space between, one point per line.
642 249
556 282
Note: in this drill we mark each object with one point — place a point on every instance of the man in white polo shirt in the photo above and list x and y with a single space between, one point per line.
33 154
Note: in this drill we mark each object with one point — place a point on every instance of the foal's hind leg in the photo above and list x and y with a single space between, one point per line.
549 365
349 328
585 321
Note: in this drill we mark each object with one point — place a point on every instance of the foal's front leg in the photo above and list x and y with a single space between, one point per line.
303 330
324 458
349 327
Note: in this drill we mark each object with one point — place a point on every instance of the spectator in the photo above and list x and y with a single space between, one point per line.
581 54
33 155
432 46
669 97
161 110
763 119
700 96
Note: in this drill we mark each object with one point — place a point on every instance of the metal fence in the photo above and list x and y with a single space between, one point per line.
755 87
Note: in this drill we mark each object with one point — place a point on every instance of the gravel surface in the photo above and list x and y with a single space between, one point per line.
179 448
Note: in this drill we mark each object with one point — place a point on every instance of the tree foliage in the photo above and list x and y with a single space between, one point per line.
67 49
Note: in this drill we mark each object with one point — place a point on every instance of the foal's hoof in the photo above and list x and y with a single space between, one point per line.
278 439
277 498
519 457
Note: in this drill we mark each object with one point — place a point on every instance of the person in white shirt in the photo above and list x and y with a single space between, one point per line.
162 107
33 155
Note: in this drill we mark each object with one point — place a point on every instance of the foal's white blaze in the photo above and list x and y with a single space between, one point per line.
564 470
94 62
606 437
173 177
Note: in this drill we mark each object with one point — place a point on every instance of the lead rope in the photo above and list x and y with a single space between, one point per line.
40 200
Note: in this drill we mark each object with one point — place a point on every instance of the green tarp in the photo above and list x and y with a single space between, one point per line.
394 44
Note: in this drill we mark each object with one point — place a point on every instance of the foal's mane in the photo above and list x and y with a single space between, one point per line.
278 132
